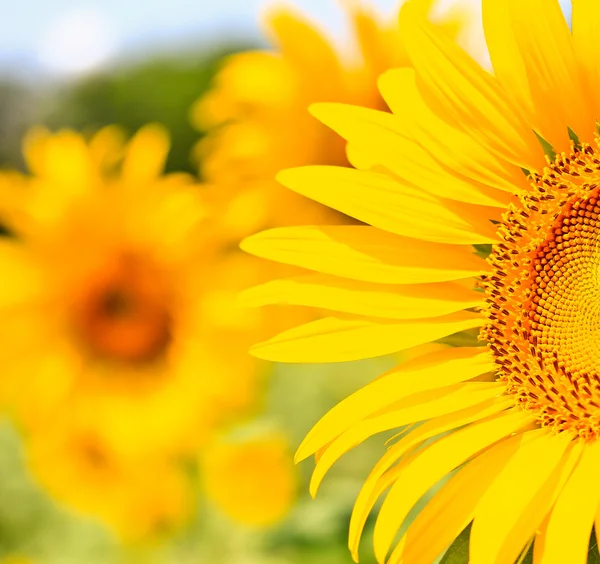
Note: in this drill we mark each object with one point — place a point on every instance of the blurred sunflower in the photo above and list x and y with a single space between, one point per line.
138 499
257 119
513 426
107 283
252 480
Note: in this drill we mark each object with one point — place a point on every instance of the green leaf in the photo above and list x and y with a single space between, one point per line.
593 554
468 338
548 149
574 137
458 553
483 250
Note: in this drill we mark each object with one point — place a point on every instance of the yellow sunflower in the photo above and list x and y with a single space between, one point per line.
109 282
251 480
257 119
139 500
512 426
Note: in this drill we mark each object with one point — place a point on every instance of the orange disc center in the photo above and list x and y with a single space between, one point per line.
543 299
124 314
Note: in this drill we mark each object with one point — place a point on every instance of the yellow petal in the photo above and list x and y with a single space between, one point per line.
307 50
63 158
362 298
586 29
379 46
452 507
107 146
465 158
379 480
506 58
431 465
365 253
427 372
392 205
146 154
465 94
557 91
415 408
499 532
566 536
387 140
341 339
23 283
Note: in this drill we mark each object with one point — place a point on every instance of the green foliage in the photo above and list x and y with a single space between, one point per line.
161 90
458 553
483 250
17 114
546 146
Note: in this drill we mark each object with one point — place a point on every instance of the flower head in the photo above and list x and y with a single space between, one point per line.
257 119
139 499
252 480
115 352
468 164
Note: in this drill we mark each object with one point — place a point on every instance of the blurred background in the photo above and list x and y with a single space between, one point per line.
86 65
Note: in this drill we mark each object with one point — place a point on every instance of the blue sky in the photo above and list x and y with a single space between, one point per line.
32 30
68 36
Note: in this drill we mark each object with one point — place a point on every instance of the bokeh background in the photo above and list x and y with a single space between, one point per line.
85 65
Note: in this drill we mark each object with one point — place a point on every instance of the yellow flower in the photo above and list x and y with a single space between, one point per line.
513 426
257 119
106 290
252 481
138 500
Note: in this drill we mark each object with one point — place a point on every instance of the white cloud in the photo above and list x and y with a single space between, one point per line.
78 41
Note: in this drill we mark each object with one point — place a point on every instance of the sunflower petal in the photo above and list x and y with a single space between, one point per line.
23 282
340 339
463 156
466 94
557 92
146 154
388 141
361 298
381 201
499 528
366 253
508 64
427 372
452 508
432 464
380 475
417 407
586 29
63 158
565 537
306 48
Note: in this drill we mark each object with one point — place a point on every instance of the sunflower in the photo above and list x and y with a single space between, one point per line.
139 499
108 284
252 480
257 120
468 164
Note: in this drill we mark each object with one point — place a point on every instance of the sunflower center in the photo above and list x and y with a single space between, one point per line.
124 314
543 300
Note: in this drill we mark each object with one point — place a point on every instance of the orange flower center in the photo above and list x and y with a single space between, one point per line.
124 313
543 302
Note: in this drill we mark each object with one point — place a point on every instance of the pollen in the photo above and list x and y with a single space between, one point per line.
543 295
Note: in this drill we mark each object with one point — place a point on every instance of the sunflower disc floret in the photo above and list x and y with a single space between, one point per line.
543 295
